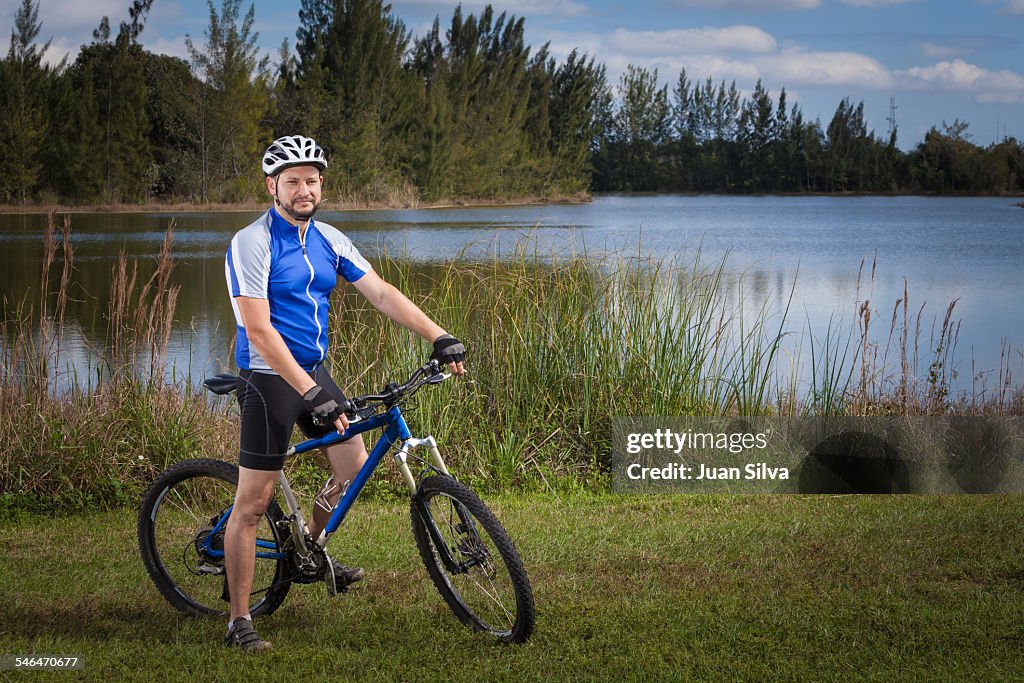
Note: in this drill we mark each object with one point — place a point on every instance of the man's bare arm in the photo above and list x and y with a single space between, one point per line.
269 343
387 299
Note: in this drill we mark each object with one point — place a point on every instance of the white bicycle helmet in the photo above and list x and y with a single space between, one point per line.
292 150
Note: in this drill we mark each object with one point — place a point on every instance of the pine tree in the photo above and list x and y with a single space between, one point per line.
575 120
847 148
234 101
432 159
489 87
537 166
24 91
684 152
784 146
369 98
432 152
756 135
310 91
73 167
122 156
641 127
173 117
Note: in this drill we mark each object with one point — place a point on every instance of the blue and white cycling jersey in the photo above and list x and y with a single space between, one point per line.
266 260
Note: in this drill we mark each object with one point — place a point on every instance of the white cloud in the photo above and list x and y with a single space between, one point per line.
1001 98
77 17
804 67
693 41
747 53
166 11
175 47
61 47
70 23
522 8
935 51
754 5
561 43
744 53
1007 6
960 76
700 67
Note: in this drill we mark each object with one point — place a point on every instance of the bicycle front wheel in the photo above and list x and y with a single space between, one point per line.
471 560
179 512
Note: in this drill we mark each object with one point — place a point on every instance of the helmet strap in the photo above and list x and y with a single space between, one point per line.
277 201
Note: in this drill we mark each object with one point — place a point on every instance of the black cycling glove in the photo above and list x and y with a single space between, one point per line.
448 349
323 407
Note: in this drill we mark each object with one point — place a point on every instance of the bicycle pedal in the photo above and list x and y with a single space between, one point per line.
331 580
332 584
337 591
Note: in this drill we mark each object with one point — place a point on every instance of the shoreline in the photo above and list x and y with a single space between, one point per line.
245 207
931 195
581 198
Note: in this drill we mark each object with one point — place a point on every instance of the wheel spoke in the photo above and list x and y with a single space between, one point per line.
484 589
510 619
180 504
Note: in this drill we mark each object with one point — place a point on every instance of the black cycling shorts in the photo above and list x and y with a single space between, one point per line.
270 409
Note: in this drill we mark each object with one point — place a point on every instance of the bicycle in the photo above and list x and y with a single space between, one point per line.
467 552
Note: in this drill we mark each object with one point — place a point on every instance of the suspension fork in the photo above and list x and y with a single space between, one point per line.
402 456
420 505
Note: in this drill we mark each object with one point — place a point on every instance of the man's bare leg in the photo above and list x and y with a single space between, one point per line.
255 489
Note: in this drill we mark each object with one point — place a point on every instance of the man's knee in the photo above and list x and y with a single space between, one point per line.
248 511
253 496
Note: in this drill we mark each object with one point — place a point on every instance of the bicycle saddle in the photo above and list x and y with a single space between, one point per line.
224 383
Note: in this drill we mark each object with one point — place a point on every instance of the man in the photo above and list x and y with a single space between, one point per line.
280 272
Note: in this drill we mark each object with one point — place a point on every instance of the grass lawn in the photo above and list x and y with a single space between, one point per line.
626 587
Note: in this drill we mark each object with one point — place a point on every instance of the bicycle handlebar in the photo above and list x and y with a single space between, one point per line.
430 373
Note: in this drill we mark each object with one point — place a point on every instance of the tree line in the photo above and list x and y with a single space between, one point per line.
470 111
705 137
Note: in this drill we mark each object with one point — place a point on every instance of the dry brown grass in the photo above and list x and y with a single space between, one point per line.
67 445
558 349
913 373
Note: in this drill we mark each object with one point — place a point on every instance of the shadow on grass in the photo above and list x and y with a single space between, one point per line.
93 620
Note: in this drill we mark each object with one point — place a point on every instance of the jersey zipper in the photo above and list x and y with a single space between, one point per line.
316 307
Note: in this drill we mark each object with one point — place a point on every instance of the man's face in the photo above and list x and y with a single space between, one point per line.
298 191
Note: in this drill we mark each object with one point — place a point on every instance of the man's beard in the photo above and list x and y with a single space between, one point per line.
298 215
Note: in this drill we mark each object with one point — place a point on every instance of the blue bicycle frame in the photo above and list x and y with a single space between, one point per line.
395 431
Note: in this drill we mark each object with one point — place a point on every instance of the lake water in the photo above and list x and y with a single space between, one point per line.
968 249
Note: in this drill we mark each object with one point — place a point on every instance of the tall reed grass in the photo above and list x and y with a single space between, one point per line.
68 443
558 347
913 371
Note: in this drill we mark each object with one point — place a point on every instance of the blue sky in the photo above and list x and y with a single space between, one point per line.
940 60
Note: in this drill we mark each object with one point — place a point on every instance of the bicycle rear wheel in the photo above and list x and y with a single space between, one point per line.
485 584
178 513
